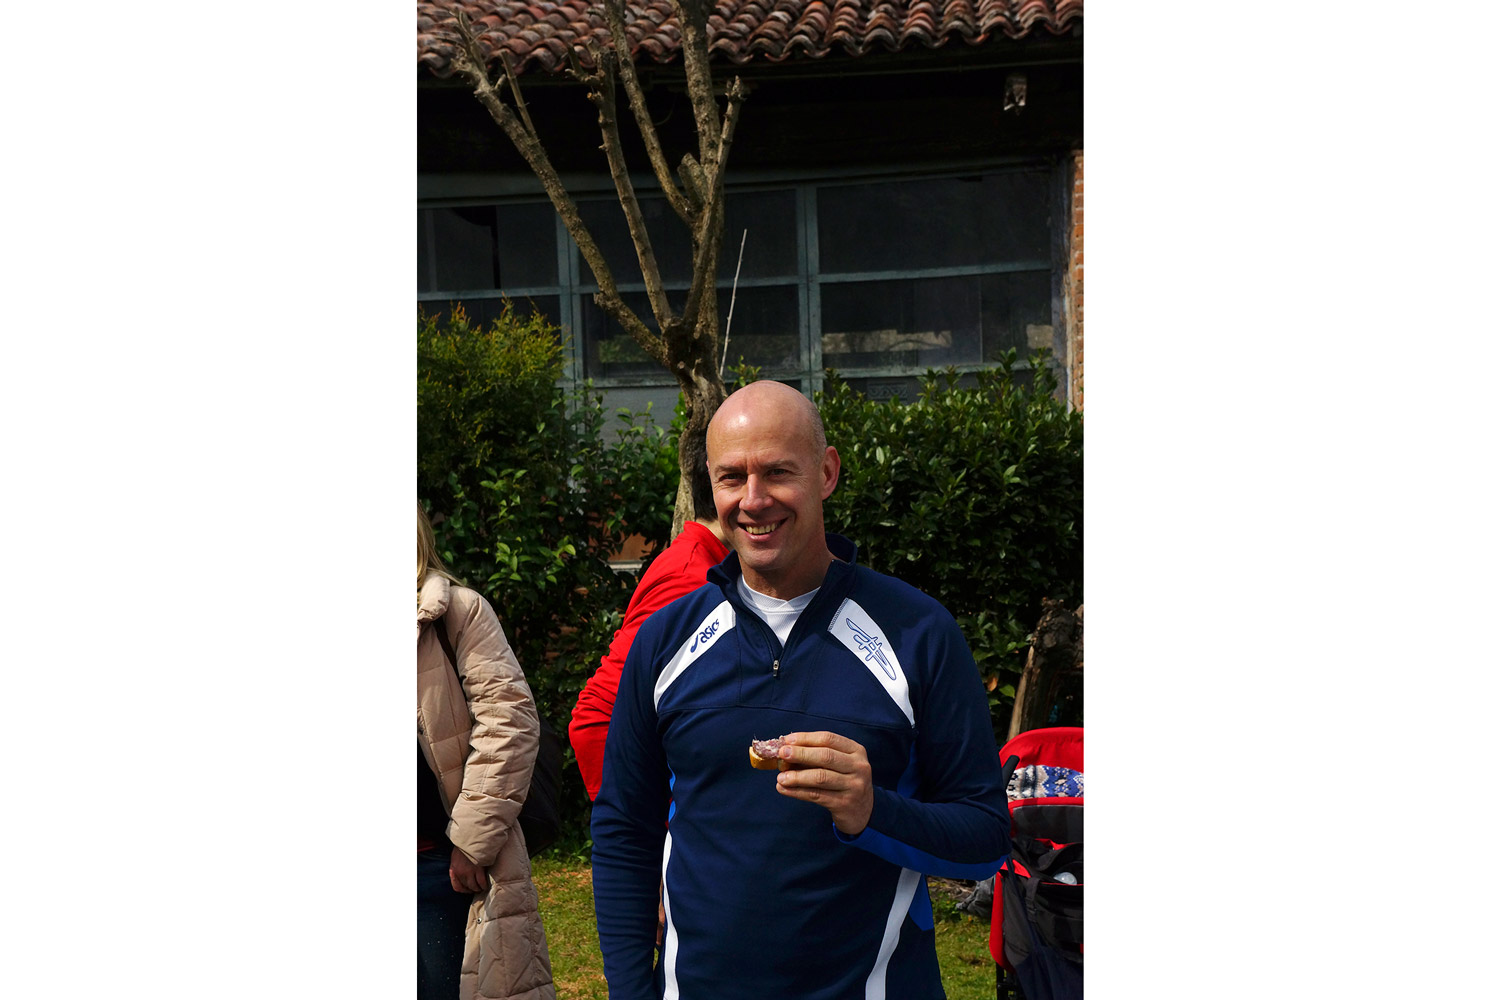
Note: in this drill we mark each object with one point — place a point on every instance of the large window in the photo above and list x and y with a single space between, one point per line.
879 279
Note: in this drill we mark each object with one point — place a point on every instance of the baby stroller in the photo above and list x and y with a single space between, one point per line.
1036 925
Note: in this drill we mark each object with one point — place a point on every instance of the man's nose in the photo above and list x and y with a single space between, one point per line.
756 497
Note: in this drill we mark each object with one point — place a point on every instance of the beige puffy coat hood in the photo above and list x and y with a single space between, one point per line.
480 740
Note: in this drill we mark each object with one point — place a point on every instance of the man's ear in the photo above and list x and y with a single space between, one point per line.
830 470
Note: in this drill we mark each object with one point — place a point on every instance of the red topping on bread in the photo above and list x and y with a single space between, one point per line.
763 755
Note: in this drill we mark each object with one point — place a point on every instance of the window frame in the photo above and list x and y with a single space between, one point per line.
575 282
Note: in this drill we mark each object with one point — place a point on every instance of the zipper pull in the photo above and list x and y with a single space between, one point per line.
775 669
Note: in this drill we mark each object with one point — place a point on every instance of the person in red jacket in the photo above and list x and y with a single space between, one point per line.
679 570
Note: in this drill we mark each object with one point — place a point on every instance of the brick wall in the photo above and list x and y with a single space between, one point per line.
1073 290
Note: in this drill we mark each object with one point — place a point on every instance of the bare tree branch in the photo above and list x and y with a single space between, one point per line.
736 92
614 12
603 96
694 186
469 61
515 90
708 235
693 14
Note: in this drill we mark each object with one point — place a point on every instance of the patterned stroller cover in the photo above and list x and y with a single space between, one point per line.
1036 926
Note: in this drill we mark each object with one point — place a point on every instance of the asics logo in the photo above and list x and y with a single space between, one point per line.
870 646
704 636
715 626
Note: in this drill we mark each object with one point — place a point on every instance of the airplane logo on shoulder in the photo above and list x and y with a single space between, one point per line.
870 646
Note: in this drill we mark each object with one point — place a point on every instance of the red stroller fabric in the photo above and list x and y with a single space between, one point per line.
1036 926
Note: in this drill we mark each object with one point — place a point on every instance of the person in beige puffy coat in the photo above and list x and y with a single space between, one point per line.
477 739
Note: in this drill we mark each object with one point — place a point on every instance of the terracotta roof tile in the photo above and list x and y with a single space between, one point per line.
539 34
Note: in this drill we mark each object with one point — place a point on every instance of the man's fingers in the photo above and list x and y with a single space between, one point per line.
806 757
815 779
803 777
822 738
829 789
821 750
818 795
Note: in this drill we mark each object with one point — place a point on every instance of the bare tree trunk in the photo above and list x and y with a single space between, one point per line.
1054 670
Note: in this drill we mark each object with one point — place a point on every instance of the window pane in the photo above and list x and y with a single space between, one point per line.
767 222
764 330
943 222
466 248
896 226
610 352
766 219
1017 312
528 245
932 322
662 400
669 240
1017 216
901 324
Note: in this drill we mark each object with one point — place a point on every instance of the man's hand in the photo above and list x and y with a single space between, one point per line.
831 771
465 875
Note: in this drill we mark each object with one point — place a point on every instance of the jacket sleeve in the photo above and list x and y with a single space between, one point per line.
503 739
629 828
666 580
955 822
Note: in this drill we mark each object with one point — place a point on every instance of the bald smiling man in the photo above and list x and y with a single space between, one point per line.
806 882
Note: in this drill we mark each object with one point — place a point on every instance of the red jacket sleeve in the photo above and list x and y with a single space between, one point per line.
680 570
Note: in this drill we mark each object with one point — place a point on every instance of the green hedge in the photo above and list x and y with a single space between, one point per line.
972 493
531 490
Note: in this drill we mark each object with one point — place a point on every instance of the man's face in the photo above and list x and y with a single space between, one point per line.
770 480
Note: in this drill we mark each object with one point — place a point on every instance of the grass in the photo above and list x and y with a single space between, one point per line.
566 888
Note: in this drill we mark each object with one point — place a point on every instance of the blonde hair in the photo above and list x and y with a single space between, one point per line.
428 561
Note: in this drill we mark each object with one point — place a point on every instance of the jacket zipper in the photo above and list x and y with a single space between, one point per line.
775 660
771 634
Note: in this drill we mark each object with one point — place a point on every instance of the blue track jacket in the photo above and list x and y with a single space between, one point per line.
765 899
